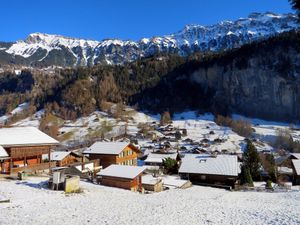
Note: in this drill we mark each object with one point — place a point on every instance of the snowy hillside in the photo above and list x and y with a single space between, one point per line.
220 139
46 50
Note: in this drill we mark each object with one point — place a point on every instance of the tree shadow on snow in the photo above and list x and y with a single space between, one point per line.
40 185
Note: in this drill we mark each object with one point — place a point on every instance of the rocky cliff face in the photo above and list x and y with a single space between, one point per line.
265 84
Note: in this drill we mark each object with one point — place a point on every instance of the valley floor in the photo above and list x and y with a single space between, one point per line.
31 203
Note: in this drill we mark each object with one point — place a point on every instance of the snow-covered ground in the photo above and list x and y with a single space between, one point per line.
32 204
19 109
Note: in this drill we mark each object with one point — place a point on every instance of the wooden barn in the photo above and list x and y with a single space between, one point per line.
121 176
25 147
120 153
220 170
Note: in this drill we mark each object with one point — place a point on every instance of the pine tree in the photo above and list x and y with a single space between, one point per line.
252 161
178 135
246 176
170 165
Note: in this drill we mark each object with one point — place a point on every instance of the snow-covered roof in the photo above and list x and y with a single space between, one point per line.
3 153
58 155
158 158
284 170
296 163
226 165
18 136
109 148
296 155
149 179
122 171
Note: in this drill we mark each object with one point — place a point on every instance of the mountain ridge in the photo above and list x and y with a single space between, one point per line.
40 49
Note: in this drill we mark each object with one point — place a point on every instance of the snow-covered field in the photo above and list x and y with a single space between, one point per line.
31 204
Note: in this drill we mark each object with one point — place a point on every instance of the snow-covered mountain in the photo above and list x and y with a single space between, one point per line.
46 50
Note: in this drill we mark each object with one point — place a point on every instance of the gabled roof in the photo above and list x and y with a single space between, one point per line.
107 148
3 153
149 179
24 136
296 155
59 155
158 158
225 165
122 171
296 164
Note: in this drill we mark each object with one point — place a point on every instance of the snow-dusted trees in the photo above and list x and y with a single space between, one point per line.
108 90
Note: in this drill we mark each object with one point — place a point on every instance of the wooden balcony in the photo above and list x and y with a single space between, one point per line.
33 168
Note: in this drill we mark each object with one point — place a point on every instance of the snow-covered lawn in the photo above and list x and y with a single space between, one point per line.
31 204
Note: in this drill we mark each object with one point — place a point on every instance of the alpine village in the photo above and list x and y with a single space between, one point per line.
201 126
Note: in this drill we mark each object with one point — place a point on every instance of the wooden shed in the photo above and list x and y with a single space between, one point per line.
151 183
121 176
121 153
25 147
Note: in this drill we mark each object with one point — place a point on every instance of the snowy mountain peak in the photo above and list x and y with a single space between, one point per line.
192 38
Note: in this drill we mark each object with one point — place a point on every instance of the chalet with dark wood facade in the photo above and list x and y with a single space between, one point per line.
126 177
25 147
120 153
219 170
296 171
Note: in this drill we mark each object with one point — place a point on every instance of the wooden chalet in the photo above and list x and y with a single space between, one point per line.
286 160
219 171
296 171
65 158
120 153
126 177
22 149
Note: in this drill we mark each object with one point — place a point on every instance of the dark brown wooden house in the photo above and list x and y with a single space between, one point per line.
126 177
25 147
121 153
296 171
220 170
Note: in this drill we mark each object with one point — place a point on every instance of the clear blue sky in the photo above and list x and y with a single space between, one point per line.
125 19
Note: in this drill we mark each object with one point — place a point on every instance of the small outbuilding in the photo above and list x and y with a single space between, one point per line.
151 183
121 176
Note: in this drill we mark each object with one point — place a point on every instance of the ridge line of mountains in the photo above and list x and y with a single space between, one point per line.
43 50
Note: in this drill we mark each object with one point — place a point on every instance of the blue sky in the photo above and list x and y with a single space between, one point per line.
125 19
